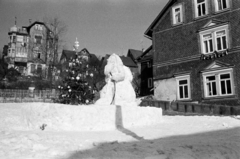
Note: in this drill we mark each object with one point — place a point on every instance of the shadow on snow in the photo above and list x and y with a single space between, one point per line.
214 144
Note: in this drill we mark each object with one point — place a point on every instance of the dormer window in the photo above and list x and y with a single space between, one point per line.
201 8
215 39
177 14
221 5
38 27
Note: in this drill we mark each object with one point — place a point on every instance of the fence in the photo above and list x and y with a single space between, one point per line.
14 95
187 107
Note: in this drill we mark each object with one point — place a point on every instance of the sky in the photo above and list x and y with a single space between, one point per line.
101 26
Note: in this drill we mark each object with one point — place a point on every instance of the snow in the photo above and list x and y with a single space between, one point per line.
61 117
175 137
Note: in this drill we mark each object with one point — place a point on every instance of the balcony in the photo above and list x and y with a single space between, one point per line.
20 59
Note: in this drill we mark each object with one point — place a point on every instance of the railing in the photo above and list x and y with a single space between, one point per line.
187 107
14 95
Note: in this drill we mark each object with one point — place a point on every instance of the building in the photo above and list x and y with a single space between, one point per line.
146 76
29 49
196 51
69 54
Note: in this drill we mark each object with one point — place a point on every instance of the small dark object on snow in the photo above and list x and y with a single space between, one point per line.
43 126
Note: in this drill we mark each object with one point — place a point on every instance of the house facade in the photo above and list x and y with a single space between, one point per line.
196 51
29 49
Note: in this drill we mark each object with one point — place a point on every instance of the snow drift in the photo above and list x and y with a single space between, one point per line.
59 117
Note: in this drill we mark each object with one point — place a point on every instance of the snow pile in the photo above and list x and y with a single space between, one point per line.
60 117
176 137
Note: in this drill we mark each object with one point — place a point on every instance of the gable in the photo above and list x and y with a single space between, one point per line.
134 53
217 65
149 31
84 52
212 24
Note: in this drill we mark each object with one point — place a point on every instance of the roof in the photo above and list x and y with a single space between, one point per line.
134 53
36 22
68 54
127 61
146 55
149 31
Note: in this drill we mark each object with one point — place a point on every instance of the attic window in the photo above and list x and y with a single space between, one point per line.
38 27
221 5
201 8
177 14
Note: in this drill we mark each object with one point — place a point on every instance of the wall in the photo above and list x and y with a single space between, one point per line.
195 68
42 46
182 40
177 50
165 89
184 108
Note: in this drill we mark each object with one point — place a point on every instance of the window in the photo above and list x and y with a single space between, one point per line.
215 39
183 87
32 68
39 69
38 39
21 69
221 40
149 64
221 5
150 83
38 27
218 83
208 43
14 39
177 14
39 55
200 8
19 38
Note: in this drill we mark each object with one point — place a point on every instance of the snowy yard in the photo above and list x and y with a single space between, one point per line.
176 137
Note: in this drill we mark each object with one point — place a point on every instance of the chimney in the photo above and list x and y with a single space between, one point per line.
30 21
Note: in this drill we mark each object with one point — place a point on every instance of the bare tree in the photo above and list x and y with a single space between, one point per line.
58 29
56 42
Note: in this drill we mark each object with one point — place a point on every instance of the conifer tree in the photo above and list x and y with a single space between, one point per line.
77 87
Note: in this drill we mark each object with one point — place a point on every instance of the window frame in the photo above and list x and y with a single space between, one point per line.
218 80
33 68
196 9
149 64
180 6
181 78
213 32
39 69
35 39
221 10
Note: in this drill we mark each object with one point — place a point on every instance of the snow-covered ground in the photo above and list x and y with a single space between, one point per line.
176 137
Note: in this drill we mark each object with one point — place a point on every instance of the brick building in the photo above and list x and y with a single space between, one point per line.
196 51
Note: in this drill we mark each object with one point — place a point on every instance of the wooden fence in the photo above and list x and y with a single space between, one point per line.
14 95
187 107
